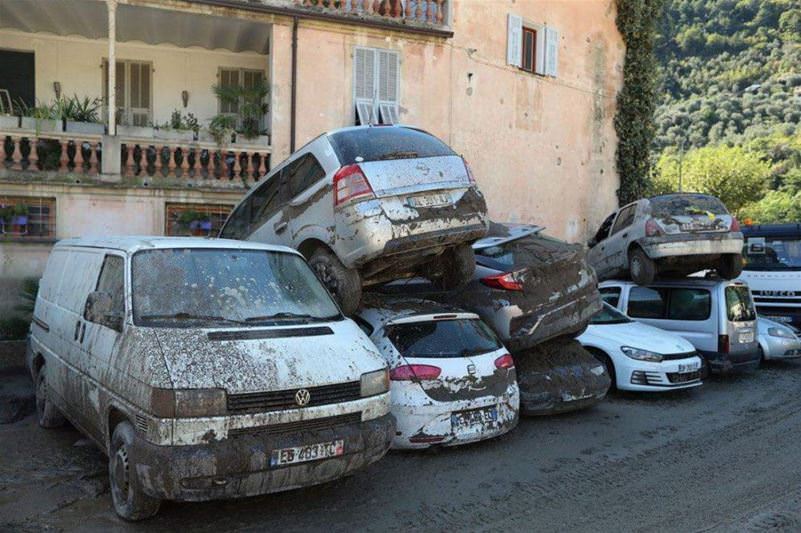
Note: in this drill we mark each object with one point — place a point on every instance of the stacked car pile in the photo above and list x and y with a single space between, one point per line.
658 242
394 210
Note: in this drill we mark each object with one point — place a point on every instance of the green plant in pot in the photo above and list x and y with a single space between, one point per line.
195 222
251 104
222 129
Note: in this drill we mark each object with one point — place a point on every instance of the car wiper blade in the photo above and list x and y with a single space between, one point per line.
189 316
278 316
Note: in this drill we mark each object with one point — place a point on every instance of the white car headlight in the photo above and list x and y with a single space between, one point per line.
641 355
781 332
375 383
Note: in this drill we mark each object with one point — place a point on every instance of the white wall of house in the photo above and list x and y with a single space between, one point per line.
76 62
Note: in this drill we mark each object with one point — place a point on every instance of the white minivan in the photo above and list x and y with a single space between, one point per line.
204 368
716 316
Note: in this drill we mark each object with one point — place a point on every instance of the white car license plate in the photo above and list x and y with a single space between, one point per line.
310 452
746 337
480 419
430 200
689 367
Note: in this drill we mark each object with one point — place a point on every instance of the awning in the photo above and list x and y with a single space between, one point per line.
88 18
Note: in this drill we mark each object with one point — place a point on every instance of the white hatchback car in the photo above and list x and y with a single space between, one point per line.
639 357
451 379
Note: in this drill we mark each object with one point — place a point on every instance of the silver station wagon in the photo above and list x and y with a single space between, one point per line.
367 205
671 234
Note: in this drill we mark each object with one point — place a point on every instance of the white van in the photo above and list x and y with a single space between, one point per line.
716 316
204 368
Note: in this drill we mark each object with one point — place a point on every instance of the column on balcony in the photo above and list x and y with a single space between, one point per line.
111 144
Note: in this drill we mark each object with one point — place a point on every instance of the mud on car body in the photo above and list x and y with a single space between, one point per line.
672 234
452 381
368 205
528 287
204 368
559 376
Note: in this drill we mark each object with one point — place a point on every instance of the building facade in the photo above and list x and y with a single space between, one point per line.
524 89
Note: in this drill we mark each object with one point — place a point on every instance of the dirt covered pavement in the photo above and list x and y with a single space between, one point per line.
722 457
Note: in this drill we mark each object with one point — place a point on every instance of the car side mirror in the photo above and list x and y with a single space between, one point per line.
100 310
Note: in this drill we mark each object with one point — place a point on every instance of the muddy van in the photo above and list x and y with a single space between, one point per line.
204 368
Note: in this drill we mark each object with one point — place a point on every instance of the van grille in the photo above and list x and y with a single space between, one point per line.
285 399
315 424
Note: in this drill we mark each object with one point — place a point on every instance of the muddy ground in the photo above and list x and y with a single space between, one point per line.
726 456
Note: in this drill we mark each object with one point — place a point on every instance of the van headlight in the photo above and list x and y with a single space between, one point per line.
641 355
375 382
188 403
780 332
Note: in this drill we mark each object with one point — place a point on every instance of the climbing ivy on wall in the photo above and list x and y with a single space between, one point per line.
634 121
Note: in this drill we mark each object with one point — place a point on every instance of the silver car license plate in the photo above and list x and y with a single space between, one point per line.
429 200
310 452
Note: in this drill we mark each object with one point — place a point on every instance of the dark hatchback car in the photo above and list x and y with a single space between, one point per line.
528 287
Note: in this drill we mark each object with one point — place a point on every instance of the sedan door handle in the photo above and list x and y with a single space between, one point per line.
83 330
77 330
280 227
625 235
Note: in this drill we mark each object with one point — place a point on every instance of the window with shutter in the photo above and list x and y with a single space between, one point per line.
376 85
134 88
552 52
237 77
514 40
532 47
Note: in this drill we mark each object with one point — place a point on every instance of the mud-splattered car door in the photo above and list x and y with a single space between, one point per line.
101 339
615 258
266 208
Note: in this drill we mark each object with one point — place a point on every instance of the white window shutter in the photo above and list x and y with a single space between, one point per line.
539 60
514 40
388 86
552 52
364 84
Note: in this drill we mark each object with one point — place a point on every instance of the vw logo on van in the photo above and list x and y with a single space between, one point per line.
302 397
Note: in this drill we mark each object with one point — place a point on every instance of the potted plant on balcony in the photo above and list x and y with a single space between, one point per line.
252 108
181 127
40 118
196 223
125 129
81 115
222 129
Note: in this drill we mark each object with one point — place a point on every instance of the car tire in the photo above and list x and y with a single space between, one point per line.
761 356
610 367
455 266
642 268
130 502
47 414
730 266
344 284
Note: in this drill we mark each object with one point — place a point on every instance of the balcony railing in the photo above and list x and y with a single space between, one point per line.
432 12
60 154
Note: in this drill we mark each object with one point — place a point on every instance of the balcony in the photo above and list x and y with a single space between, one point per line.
419 16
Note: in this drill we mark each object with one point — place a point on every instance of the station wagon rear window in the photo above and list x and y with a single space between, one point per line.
739 306
443 338
191 287
670 205
386 143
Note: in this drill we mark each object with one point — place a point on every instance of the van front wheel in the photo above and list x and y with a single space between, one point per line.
46 413
130 502
730 266
344 284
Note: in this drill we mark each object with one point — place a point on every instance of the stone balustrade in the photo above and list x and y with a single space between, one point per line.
430 12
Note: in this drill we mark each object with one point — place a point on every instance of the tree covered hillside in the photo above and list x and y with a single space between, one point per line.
731 92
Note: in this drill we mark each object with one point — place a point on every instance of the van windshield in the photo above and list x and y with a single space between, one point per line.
772 253
191 287
738 304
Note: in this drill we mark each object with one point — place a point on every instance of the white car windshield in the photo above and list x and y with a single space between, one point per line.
609 315
186 287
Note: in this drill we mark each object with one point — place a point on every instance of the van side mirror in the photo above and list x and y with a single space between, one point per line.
100 310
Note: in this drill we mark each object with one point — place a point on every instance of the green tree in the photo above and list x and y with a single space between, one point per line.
736 176
774 207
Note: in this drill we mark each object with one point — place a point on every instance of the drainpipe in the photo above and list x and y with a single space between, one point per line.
294 96
112 66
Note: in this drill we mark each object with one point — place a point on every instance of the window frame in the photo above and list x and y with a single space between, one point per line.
615 229
31 202
617 292
123 299
664 300
211 210
532 30
241 72
125 113
374 110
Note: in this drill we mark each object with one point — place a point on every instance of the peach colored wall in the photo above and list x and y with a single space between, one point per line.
542 148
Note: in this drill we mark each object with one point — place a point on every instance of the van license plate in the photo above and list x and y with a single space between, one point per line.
474 419
430 200
310 452
746 337
689 367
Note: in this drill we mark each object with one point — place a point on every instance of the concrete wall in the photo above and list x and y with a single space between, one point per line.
76 63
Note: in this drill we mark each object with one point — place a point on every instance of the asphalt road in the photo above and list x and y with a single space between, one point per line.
726 456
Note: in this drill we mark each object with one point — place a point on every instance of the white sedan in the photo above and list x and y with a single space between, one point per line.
452 381
639 357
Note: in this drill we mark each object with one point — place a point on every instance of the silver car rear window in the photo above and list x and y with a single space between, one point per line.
386 143
686 204
443 338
